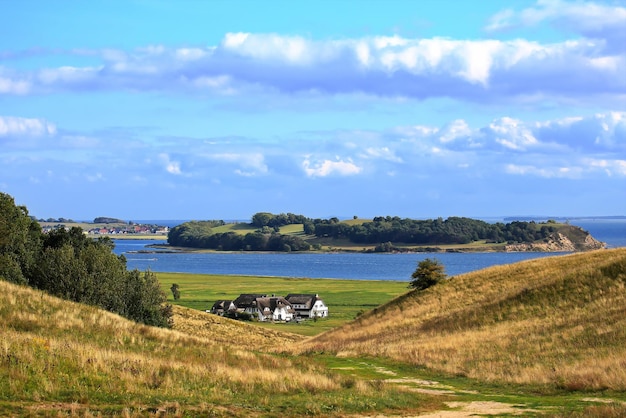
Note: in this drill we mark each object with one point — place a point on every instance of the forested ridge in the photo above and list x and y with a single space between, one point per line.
453 230
383 232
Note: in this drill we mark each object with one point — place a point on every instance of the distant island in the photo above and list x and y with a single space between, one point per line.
290 232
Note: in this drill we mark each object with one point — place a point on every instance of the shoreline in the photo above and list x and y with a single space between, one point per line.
164 248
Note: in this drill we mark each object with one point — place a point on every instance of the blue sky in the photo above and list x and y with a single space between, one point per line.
221 109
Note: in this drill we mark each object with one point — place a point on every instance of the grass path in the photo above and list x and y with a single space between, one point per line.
464 397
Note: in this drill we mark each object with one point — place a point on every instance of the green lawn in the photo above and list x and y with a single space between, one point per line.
345 298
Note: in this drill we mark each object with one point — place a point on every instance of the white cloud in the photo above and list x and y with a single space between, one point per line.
172 167
602 131
572 148
67 75
383 153
17 126
249 164
545 172
511 133
95 177
474 70
585 16
288 49
190 54
501 21
609 167
10 86
457 129
327 168
579 167
588 18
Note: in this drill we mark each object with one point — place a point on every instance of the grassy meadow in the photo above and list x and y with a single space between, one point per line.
59 358
346 298
544 337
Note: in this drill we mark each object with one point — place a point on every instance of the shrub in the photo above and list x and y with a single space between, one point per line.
429 272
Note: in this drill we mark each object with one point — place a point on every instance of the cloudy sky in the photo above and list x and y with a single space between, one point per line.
221 109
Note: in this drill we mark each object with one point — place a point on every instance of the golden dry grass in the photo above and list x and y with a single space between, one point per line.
555 321
53 351
221 330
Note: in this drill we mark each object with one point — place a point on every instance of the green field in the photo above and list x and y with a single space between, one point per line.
345 298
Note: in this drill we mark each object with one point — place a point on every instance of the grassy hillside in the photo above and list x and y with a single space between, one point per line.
557 321
546 335
59 358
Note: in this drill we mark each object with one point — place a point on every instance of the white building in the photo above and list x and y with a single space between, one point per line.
308 306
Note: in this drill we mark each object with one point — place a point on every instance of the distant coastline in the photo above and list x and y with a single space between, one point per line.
564 218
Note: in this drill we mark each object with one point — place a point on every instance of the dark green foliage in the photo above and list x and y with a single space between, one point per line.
175 291
454 230
70 265
144 300
192 234
20 241
78 268
429 272
107 220
199 235
10 269
385 247
262 219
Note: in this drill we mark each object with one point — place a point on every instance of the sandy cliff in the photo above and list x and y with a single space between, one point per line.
580 240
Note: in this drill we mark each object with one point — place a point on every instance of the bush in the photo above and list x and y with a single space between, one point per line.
429 272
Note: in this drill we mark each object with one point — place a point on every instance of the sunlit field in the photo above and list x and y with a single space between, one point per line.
346 299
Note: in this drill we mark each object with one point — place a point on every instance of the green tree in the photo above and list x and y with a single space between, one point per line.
428 273
175 291
261 219
20 241
145 301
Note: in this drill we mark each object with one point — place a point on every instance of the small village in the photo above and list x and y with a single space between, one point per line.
130 229
106 230
293 307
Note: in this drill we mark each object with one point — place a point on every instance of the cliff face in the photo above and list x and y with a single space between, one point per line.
567 239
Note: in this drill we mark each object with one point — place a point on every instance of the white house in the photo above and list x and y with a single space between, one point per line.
308 306
275 308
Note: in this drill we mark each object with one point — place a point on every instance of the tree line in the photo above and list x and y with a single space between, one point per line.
454 230
68 264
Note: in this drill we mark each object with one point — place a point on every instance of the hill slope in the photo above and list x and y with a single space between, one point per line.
557 321
63 358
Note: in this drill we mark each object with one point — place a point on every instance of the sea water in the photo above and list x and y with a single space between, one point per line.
354 266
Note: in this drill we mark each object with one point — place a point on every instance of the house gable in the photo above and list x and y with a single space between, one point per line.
247 300
221 306
308 305
275 308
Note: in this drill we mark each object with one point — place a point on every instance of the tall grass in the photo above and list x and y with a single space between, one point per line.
558 321
61 356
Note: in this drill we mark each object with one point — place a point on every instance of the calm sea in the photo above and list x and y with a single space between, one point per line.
340 266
